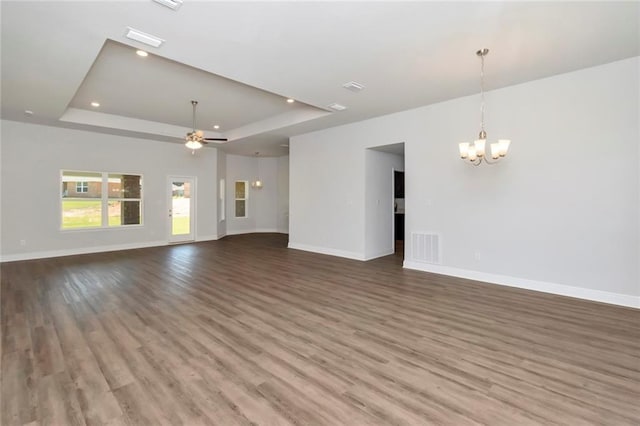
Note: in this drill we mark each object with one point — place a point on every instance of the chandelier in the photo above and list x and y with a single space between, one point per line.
475 152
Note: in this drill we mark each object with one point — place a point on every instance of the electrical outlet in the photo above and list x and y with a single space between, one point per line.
477 255
23 243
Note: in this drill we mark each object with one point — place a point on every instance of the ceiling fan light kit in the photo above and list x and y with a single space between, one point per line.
195 138
193 144
475 152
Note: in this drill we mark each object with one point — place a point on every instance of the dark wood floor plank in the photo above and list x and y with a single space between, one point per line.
243 331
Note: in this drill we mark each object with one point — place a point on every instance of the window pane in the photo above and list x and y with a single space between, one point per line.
81 213
240 208
125 186
124 213
241 189
222 198
81 185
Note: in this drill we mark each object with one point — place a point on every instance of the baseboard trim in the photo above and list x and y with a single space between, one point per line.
328 251
380 254
77 251
207 238
542 286
255 231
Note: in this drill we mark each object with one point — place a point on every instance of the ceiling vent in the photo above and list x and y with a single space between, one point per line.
171 4
145 38
353 86
337 107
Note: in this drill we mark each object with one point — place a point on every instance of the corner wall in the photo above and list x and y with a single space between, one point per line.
560 214
265 205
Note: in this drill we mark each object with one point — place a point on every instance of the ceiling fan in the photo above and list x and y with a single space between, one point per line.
195 138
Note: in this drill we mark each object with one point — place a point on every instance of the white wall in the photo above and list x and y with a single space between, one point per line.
559 215
32 157
379 215
326 191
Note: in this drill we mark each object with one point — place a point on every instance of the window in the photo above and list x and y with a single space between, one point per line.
100 200
241 198
82 186
222 198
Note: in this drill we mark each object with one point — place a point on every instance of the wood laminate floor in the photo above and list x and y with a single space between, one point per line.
243 331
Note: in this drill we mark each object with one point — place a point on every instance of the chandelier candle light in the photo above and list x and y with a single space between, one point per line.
475 152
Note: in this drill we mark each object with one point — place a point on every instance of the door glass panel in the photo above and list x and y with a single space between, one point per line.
181 208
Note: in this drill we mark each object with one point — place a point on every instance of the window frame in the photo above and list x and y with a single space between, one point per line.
222 197
104 201
245 199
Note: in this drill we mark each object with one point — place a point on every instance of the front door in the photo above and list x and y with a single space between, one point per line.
181 209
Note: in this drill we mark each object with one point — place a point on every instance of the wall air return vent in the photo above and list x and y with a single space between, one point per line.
425 247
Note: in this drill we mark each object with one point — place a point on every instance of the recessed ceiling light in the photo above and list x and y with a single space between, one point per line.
353 86
142 53
95 104
215 126
28 112
337 107
290 100
145 38
171 4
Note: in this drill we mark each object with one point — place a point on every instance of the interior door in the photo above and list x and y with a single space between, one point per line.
182 194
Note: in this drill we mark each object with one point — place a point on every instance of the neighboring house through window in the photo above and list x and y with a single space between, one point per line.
82 186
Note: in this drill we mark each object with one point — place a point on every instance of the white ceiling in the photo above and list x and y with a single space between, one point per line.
241 60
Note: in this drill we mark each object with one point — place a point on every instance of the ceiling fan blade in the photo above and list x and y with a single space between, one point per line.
215 139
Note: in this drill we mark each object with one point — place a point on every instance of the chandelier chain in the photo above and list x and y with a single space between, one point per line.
482 93
477 152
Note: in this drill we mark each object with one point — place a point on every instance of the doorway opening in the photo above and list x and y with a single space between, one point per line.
398 211
181 209
384 201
